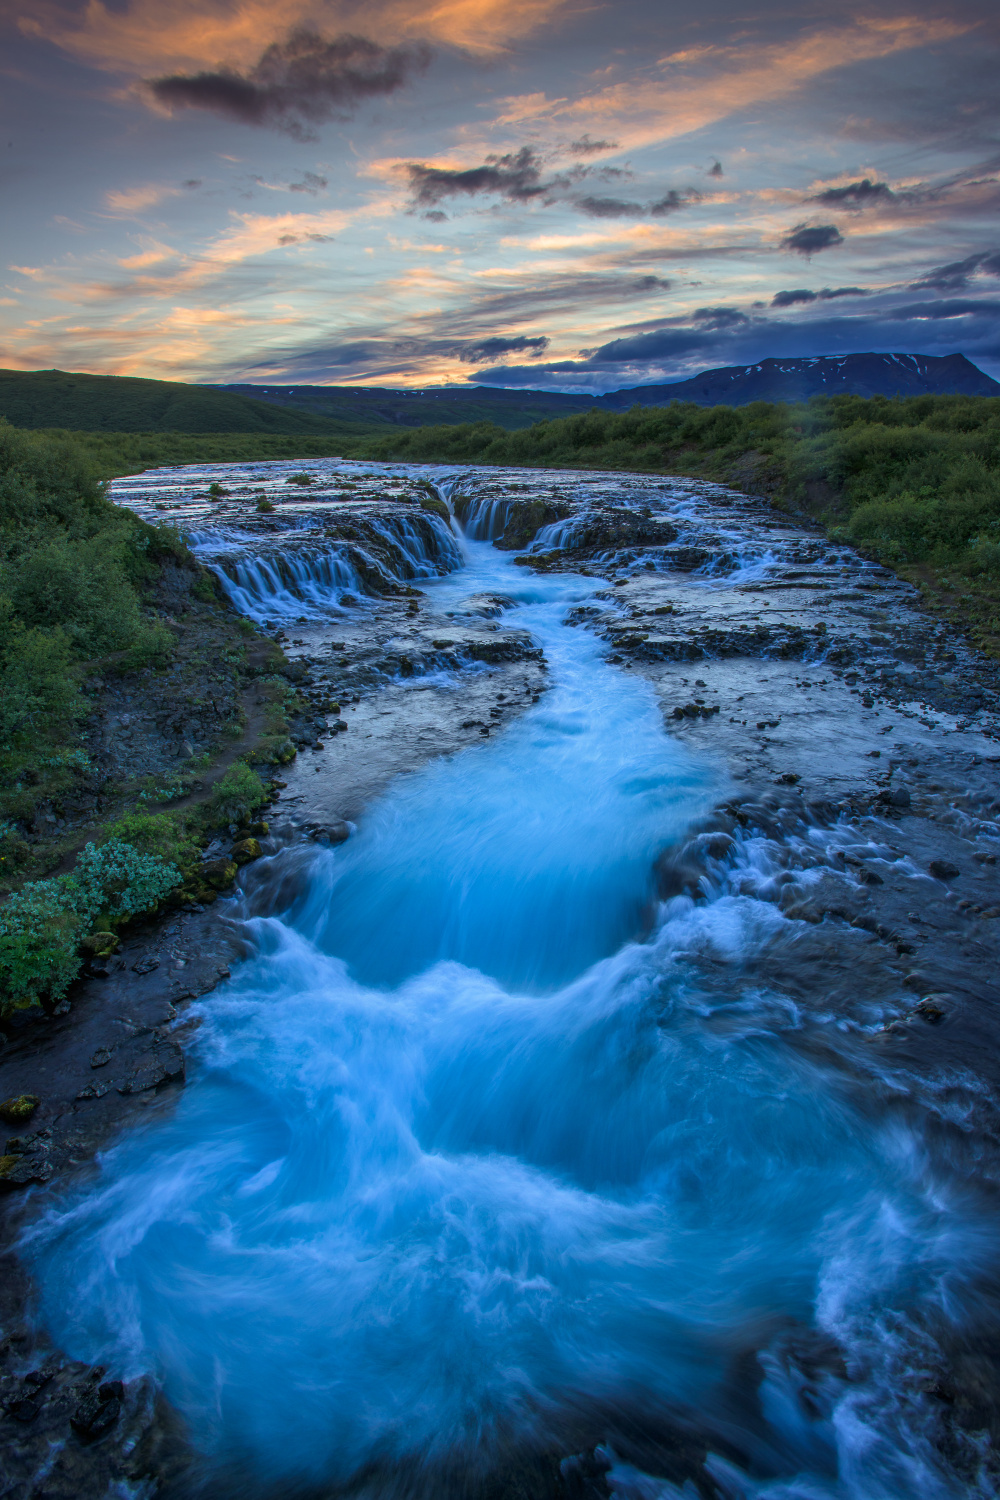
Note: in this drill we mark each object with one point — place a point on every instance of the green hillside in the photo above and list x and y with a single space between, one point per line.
510 409
120 403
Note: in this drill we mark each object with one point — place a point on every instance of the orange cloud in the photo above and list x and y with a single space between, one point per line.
696 88
161 36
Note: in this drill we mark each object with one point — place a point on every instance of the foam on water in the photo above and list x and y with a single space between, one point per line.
470 1150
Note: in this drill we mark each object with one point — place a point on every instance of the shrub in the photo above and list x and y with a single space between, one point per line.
237 794
120 880
161 834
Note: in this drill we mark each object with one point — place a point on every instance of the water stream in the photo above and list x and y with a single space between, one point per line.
485 1153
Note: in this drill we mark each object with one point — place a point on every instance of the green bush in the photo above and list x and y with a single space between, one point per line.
237 794
41 925
164 835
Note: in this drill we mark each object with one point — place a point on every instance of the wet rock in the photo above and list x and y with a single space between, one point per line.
162 1065
95 1090
218 873
19 1108
932 1008
943 869
332 833
145 965
98 1407
100 1058
245 851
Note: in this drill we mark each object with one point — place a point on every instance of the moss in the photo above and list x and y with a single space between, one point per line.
15 1111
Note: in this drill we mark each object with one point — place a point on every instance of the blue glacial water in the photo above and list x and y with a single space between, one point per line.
478 1149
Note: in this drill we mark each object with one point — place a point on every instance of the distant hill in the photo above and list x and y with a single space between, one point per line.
823 375
426 408
121 403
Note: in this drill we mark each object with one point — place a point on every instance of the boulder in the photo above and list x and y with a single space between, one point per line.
19 1108
245 851
218 873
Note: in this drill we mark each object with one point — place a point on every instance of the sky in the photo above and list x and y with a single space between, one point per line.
553 194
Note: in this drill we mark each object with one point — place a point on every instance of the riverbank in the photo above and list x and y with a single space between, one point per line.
820 873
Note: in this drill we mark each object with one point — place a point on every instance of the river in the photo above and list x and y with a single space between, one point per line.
504 1169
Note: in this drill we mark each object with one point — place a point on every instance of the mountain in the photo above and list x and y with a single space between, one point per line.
823 375
121 403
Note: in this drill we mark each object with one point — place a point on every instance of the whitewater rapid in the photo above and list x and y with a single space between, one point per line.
486 1150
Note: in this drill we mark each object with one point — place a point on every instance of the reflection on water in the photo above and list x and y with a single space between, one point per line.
473 1156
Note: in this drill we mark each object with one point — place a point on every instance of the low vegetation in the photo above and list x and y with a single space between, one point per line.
915 483
102 612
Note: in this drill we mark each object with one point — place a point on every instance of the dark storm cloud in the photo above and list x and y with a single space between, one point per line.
957 275
586 147
297 83
827 294
807 239
856 194
956 308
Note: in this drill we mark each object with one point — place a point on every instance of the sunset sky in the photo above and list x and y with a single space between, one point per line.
575 196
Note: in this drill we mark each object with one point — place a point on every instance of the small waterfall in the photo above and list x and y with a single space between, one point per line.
483 517
311 579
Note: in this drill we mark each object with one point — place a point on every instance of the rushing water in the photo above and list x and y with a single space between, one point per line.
481 1156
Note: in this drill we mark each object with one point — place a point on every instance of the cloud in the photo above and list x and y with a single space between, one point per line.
486 351
806 239
715 170
956 308
297 83
672 201
517 176
311 183
953 277
857 194
134 200
586 147
827 294
608 208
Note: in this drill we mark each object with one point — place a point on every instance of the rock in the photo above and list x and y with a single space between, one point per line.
18 1171
218 873
101 1057
932 1008
145 965
160 1066
788 778
943 869
187 749
334 833
100 944
98 1408
245 851
257 831
899 796
95 1090
19 1108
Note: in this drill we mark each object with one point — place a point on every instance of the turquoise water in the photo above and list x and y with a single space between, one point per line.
480 1146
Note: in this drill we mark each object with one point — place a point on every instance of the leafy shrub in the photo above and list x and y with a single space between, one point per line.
42 924
301 478
237 794
120 880
161 834
40 927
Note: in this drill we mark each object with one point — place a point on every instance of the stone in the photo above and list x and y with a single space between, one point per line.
932 1008
333 833
245 851
19 1108
101 1057
95 1090
218 873
98 1408
19 1171
100 944
163 1065
943 869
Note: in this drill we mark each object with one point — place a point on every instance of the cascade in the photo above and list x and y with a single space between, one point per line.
488 1150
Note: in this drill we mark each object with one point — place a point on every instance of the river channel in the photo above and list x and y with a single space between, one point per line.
573 1127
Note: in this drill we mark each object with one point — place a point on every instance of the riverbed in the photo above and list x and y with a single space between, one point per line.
613 1112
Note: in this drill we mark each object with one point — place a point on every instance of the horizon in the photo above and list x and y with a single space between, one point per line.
544 196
